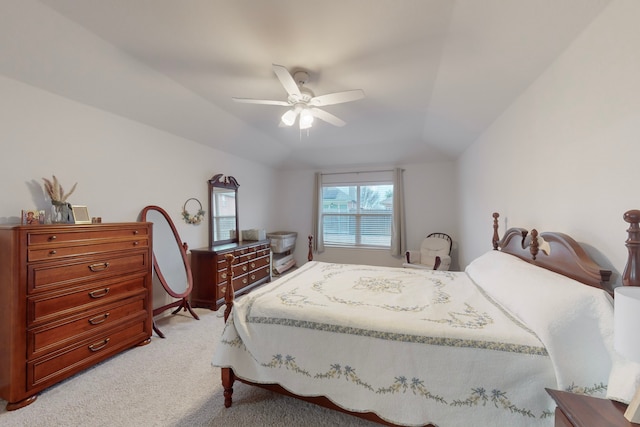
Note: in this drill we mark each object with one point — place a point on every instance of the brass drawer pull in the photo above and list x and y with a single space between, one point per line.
253 277
244 281
244 268
135 232
223 290
99 293
253 265
223 275
54 237
53 252
99 345
136 243
101 266
99 319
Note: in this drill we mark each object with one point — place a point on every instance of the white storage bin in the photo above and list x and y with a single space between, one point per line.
282 241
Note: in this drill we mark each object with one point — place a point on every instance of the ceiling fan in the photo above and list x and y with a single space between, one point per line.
303 102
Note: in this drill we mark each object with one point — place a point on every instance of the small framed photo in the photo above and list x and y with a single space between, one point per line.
32 217
80 214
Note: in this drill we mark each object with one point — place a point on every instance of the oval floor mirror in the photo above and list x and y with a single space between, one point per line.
170 263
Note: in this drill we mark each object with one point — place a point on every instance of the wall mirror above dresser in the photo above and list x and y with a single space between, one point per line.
223 210
170 264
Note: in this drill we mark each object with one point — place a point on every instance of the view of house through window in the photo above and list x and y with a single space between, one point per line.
357 214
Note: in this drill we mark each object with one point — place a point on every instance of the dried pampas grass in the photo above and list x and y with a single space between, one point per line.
55 191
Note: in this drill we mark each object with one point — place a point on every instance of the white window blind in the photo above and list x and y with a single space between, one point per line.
357 209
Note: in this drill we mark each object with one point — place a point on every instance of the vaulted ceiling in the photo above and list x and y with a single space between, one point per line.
436 73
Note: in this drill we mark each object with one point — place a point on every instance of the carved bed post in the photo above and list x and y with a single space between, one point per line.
535 245
228 294
496 237
227 375
310 256
631 275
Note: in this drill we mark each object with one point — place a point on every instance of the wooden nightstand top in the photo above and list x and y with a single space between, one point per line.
585 411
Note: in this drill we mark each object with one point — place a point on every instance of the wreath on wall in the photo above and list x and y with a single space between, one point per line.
192 219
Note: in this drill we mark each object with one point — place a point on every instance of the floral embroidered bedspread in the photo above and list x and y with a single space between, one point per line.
412 346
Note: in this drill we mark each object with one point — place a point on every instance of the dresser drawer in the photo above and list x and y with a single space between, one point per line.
221 263
35 253
256 275
222 289
221 276
240 282
239 269
242 251
258 263
82 235
210 276
60 364
246 257
46 276
72 329
46 307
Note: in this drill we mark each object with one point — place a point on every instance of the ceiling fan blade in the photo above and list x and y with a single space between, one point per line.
287 81
327 117
337 98
261 101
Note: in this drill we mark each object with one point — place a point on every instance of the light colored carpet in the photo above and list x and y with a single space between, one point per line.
169 382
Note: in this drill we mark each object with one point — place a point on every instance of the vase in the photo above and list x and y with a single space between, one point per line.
60 213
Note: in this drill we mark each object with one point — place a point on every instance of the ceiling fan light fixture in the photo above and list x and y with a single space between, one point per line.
289 117
302 101
306 119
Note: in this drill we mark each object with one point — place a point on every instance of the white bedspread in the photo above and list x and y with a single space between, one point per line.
413 346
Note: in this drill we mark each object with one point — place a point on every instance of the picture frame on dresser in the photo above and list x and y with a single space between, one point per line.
32 217
80 214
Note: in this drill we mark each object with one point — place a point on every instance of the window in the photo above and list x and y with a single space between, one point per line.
357 214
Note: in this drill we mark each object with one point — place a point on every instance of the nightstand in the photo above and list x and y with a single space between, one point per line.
577 410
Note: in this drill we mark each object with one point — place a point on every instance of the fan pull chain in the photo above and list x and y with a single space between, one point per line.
301 134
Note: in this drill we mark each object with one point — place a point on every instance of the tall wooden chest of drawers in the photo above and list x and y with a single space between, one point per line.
71 296
251 267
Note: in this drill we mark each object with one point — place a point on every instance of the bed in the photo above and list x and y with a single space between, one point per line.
413 347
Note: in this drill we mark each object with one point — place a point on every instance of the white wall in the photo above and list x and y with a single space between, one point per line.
564 156
120 165
430 201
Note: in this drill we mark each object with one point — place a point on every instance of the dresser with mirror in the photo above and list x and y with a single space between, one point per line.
252 264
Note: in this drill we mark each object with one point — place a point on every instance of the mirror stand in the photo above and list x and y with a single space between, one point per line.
170 263
182 304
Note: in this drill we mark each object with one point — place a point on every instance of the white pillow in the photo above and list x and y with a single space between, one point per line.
573 321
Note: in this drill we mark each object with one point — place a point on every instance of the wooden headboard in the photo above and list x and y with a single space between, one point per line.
554 251
560 253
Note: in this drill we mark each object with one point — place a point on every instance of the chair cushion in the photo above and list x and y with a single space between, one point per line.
432 247
428 260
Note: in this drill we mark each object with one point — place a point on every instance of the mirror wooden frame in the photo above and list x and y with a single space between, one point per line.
182 301
228 183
